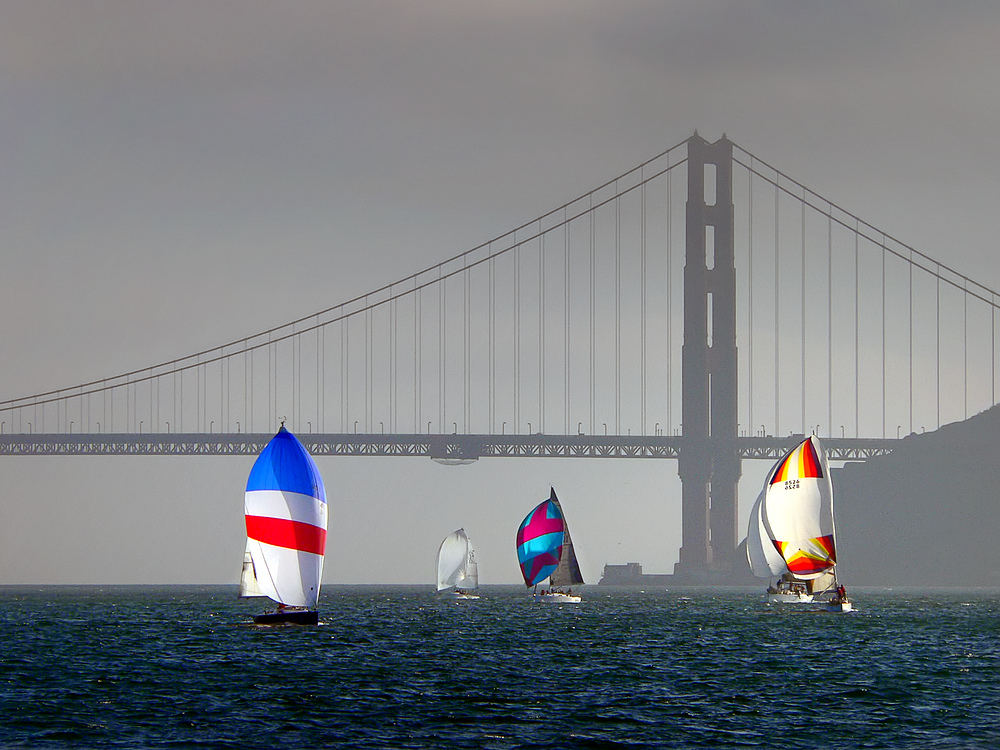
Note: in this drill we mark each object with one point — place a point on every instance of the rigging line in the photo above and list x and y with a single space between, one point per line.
887 237
4 405
859 220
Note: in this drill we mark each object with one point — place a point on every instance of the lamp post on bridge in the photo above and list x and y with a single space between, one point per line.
898 428
3 424
29 428
140 426
503 427
98 428
579 428
237 426
71 426
165 420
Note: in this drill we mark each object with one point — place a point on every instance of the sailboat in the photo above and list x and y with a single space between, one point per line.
791 531
457 568
286 517
545 550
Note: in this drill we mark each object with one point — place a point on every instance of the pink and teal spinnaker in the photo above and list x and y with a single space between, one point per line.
539 541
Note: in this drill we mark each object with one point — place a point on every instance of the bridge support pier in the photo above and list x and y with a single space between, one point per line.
709 465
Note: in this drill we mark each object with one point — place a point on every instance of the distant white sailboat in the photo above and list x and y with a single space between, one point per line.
457 567
791 530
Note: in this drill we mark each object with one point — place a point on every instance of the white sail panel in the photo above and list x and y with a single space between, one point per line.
797 510
286 575
452 556
764 559
248 578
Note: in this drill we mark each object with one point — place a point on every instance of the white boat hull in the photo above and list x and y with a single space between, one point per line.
844 606
556 597
790 598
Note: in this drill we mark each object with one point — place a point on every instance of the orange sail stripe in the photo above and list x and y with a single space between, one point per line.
806 561
801 463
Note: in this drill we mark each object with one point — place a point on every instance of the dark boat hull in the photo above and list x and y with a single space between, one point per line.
289 617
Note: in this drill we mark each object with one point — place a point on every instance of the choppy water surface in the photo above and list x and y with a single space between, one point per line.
398 668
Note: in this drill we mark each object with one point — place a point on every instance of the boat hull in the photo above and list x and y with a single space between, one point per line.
558 598
790 598
842 606
292 617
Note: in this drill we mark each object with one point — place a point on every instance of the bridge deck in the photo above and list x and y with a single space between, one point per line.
444 447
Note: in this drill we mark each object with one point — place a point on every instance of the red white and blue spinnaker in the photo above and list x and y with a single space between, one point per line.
286 515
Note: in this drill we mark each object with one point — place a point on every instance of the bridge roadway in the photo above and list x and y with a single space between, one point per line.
445 448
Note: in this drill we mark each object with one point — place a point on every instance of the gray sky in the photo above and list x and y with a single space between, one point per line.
177 175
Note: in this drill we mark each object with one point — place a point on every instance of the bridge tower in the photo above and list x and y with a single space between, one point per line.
709 465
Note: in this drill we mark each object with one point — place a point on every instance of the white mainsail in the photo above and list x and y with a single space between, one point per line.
456 563
248 578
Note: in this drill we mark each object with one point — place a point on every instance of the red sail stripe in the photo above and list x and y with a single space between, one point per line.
281 532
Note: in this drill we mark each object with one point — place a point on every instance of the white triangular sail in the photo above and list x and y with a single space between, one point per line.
286 517
456 563
248 578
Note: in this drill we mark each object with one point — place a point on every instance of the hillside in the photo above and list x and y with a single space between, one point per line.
926 515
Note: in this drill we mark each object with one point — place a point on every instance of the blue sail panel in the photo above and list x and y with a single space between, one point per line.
285 465
539 542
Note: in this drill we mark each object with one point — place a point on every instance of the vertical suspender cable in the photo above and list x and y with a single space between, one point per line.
592 314
467 345
883 336
965 350
937 306
442 349
750 297
829 319
492 343
777 304
669 298
802 319
857 333
618 314
566 321
517 335
541 329
642 306
911 337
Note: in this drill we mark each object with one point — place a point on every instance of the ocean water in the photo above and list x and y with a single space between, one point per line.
396 667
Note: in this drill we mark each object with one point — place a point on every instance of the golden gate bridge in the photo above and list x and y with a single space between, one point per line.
702 306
